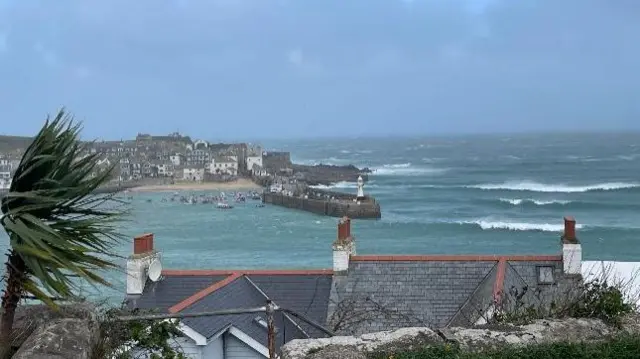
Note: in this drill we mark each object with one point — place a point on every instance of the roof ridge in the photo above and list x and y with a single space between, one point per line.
452 258
284 314
205 272
498 285
203 293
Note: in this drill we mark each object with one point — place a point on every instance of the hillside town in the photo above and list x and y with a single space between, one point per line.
174 157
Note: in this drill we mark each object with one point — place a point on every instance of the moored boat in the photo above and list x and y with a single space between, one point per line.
224 205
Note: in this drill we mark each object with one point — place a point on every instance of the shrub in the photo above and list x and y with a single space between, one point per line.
152 338
621 347
603 301
597 298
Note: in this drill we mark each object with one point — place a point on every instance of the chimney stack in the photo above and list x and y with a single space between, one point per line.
143 244
571 248
138 263
343 247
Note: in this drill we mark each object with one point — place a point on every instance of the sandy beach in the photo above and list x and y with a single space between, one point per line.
243 184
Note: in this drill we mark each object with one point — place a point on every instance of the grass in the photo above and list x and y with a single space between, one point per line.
619 347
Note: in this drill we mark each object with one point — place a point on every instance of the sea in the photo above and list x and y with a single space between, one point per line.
480 194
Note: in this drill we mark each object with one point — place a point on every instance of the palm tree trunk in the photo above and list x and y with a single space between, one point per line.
10 300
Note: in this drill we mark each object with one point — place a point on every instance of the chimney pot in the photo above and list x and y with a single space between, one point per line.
569 229
571 248
138 263
343 247
143 244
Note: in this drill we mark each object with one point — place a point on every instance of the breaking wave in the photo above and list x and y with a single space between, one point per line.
342 184
518 226
405 169
520 201
558 188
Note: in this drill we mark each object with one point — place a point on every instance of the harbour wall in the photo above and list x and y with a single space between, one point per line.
367 209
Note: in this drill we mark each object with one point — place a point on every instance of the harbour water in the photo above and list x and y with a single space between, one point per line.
494 194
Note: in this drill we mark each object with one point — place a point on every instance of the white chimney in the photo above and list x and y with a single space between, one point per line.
343 247
138 263
571 248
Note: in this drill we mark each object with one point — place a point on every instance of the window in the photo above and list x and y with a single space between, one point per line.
545 275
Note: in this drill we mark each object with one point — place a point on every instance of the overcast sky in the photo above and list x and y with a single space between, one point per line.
223 69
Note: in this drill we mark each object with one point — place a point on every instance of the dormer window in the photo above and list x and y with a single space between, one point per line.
545 275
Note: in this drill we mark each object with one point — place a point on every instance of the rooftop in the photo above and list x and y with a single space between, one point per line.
185 291
361 293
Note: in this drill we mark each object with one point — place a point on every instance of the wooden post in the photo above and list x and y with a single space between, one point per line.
271 330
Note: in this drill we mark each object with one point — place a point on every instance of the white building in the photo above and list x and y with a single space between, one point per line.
5 176
165 170
224 165
193 174
254 160
176 159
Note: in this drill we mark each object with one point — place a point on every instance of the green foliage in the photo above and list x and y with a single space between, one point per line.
621 347
601 300
151 338
58 229
598 299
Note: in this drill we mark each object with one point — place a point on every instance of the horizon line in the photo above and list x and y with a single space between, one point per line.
231 140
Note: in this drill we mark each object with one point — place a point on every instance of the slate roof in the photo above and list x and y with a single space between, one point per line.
159 296
390 292
197 291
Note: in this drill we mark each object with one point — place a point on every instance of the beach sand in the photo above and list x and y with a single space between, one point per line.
241 183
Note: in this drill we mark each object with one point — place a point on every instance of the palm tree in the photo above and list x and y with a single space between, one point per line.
60 232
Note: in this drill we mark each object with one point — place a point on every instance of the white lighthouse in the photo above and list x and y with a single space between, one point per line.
360 188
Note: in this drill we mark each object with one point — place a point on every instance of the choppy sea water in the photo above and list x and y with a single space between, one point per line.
458 195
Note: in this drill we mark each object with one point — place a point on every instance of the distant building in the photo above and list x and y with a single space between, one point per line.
224 165
198 158
254 160
125 169
193 174
177 159
5 176
257 170
165 170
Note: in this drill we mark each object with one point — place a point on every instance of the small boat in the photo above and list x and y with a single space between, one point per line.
224 205
260 205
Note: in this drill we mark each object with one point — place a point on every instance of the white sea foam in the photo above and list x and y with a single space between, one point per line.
405 169
519 226
558 188
342 184
329 161
519 201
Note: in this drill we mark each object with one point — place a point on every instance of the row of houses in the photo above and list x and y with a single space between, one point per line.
175 156
180 166
179 157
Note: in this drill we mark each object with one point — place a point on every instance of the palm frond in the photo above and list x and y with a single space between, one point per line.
57 226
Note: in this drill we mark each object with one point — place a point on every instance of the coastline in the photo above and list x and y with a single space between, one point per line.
241 183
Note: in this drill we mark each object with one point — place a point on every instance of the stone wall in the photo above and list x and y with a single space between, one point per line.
405 339
324 207
69 333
